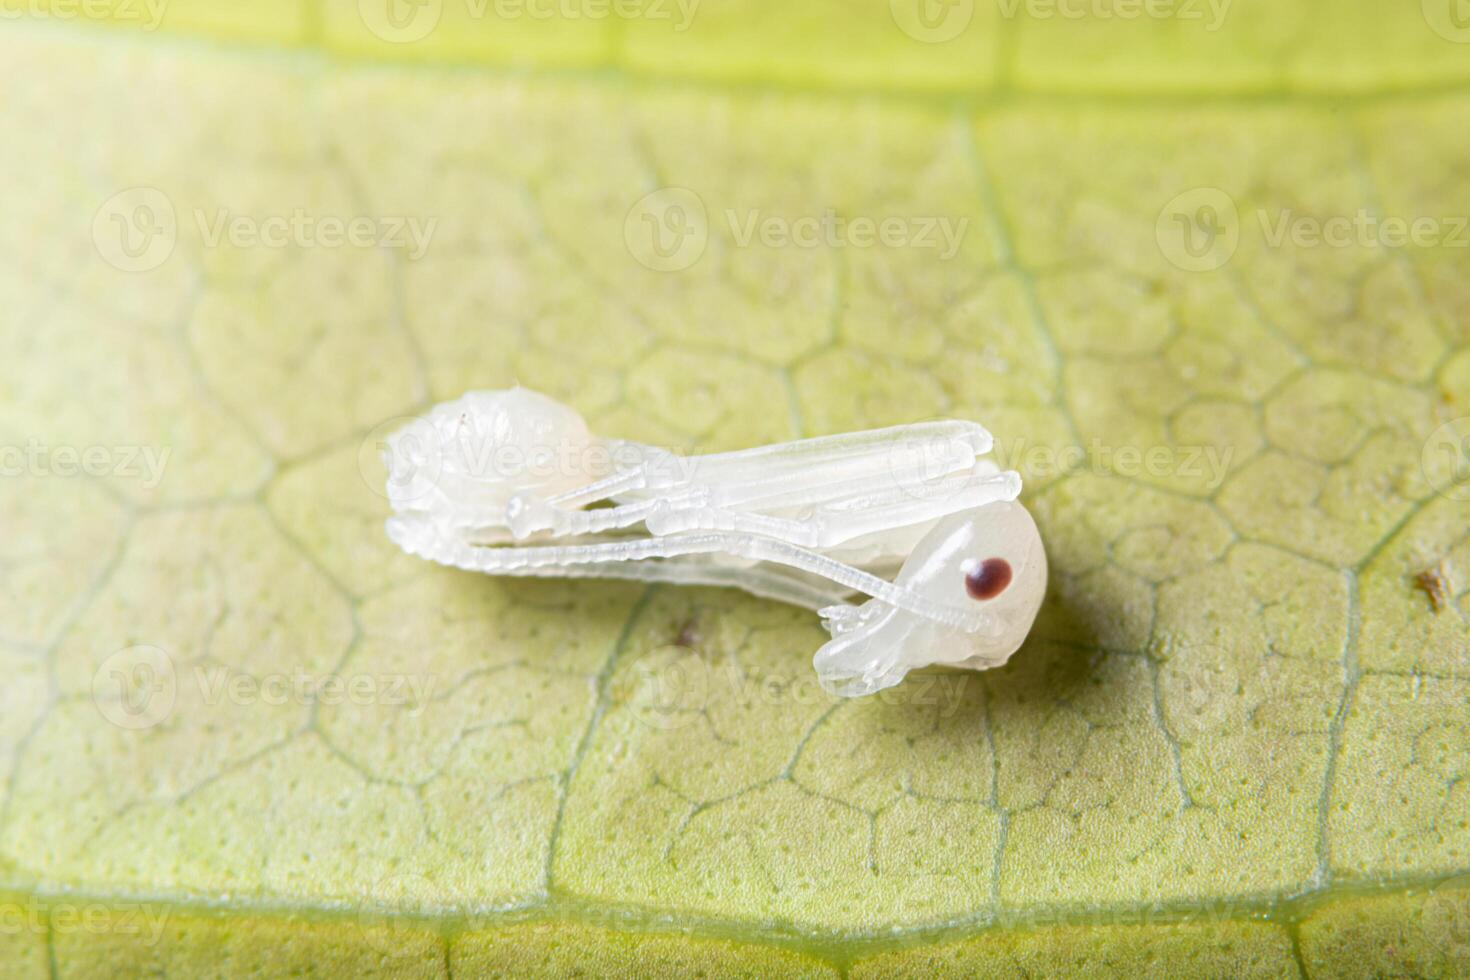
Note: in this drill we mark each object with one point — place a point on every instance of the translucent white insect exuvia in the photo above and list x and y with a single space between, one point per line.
505 482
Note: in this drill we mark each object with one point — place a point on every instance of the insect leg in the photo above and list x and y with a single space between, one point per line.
420 539
842 519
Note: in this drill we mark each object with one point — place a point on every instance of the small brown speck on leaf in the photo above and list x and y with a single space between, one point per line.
688 635
1432 582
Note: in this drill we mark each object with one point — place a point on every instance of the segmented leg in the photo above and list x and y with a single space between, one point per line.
420 539
888 473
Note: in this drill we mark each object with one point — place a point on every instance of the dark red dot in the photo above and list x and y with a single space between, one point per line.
988 579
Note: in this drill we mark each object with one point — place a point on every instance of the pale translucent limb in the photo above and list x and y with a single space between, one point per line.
767 581
805 473
812 471
841 520
835 522
664 469
417 538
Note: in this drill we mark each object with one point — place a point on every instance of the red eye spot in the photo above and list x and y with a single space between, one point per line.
988 579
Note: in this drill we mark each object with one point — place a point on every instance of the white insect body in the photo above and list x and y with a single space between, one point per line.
505 482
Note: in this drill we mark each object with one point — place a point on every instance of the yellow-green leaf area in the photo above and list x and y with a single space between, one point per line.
1235 743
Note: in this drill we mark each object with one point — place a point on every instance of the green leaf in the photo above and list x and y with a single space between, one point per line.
241 733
